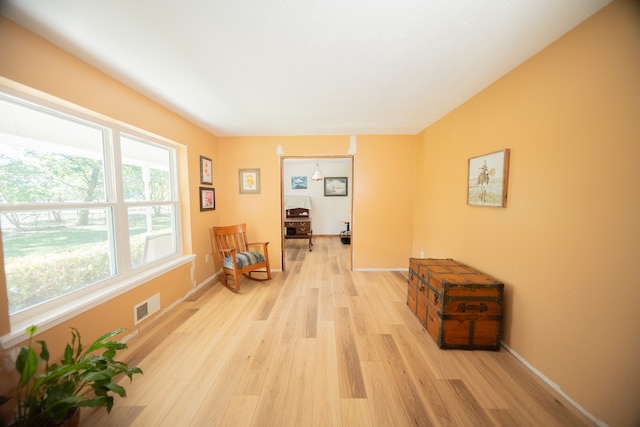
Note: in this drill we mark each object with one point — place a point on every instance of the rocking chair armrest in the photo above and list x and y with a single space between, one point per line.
263 244
228 253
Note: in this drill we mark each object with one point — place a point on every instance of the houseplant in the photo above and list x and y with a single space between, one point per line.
83 378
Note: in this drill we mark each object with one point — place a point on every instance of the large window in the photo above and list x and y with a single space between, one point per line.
82 203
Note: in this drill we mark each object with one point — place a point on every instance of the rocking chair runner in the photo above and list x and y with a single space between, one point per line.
236 255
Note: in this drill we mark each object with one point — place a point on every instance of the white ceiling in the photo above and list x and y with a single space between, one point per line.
304 67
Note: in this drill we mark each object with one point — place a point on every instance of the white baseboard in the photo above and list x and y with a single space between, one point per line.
554 386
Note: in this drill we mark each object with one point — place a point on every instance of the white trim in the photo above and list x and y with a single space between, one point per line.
554 386
61 313
114 206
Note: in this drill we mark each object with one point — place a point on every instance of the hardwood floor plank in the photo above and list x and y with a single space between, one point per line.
349 371
411 404
143 390
383 403
145 346
319 345
240 412
482 391
120 416
347 282
325 302
506 418
355 413
291 329
157 410
468 410
271 403
301 376
200 293
228 367
426 383
364 321
267 304
252 381
340 295
311 310
326 400
505 373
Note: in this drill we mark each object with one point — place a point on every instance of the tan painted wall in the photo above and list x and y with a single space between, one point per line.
382 191
568 244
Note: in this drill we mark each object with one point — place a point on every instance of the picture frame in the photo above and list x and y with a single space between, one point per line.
249 180
487 179
207 199
206 170
336 186
299 183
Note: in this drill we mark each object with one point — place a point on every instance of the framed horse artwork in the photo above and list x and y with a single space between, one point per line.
488 178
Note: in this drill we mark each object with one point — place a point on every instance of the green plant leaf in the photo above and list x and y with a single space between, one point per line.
81 378
99 343
105 374
95 403
68 355
76 336
26 365
44 350
117 389
31 330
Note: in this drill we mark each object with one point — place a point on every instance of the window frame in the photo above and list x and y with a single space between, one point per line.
125 275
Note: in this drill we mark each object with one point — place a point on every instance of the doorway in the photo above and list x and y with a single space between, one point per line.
330 212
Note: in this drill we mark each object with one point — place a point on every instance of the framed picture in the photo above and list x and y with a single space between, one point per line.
298 182
207 199
335 186
487 179
249 181
206 171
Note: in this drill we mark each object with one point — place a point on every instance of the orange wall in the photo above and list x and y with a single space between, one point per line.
568 243
382 191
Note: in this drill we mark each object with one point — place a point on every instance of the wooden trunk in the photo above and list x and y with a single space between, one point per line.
459 306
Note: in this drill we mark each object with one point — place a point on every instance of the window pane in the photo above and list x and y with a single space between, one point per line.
151 234
145 171
48 158
51 253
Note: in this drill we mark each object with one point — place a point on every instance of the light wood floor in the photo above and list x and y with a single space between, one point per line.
320 346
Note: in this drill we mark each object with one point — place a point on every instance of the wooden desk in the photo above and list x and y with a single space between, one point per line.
298 228
297 225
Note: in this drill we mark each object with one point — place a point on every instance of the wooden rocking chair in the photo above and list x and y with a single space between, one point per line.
237 257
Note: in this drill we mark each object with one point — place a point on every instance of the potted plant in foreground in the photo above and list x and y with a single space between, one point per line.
83 378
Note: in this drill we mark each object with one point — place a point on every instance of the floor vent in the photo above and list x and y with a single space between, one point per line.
146 308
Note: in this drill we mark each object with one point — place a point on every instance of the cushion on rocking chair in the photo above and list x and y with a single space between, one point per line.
243 259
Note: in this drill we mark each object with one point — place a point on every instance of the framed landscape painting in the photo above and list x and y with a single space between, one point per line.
298 182
488 176
335 186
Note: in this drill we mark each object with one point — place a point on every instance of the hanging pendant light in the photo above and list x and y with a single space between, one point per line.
317 175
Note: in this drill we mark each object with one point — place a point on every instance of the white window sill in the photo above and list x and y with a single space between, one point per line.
59 314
